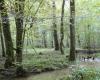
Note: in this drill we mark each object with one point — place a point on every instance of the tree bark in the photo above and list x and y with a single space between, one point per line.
72 30
79 42
62 28
55 28
7 35
3 48
2 41
19 8
44 39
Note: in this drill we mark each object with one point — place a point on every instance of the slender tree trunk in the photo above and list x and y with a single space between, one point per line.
89 39
62 28
19 28
79 42
52 39
52 44
55 28
3 46
72 30
2 41
7 35
44 39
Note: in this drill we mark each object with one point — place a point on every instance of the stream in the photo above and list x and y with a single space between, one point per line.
53 75
58 74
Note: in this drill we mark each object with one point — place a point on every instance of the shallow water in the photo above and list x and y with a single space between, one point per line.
54 75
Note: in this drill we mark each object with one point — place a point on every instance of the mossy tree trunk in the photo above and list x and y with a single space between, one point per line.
72 30
7 35
19 9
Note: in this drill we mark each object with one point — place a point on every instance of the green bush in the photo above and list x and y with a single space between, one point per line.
84 74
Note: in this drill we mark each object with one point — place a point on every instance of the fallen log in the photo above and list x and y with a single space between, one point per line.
87 51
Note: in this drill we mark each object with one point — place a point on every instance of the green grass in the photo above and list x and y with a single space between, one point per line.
48 59
53 59
84 74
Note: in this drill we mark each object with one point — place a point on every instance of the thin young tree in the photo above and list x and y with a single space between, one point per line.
44 38
7 35
62 28
72 30
56 43
2 41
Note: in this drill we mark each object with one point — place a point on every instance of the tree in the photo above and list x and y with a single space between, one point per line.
72 30
2 41
7 35
44 38
19 9
55 28
62 29
88 38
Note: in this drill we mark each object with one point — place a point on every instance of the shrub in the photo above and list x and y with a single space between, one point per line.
84 74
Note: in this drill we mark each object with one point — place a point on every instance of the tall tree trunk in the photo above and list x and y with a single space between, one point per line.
62 28
2 41
44 39
55 28
72 30
7 35
19 8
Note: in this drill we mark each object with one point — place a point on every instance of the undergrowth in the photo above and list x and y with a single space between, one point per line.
84 74
50 59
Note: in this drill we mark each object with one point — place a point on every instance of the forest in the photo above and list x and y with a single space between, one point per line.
49 40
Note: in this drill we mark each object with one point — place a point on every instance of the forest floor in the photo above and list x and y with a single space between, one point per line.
52 64
58 74
45 59
53 58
